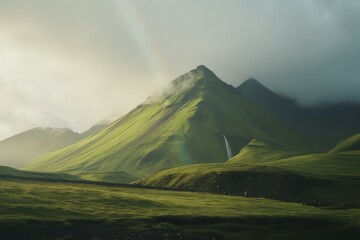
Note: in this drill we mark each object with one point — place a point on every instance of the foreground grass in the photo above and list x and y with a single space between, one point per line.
158 214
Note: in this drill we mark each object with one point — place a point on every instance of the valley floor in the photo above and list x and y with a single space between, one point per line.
55 210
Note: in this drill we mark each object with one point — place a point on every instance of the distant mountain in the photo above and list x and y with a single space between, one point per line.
95 129
18 150
342 118
285 109
180 125
325 124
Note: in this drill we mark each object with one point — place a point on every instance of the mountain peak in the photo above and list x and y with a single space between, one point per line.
184 83
251 82
205 72
202 68
253 86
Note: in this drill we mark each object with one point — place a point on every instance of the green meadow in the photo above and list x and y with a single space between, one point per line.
55 210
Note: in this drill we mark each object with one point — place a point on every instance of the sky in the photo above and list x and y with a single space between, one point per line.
73 63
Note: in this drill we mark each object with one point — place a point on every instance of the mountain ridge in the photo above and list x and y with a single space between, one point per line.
184 125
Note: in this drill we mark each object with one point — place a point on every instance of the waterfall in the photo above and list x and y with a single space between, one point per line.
228 149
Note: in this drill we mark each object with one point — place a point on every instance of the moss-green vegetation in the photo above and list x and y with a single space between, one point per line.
110 177
261 181
257 151
339 164
11 172
343 160
264 170
349 144
68 210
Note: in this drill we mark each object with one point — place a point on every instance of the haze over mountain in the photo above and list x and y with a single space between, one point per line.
326 123
18 150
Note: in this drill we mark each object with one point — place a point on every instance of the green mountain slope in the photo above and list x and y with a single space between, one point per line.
181 125
18 150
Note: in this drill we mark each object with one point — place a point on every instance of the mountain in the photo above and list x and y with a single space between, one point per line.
284 108
325 124
183 124
18 150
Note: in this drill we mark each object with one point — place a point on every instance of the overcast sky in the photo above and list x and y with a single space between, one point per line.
72 63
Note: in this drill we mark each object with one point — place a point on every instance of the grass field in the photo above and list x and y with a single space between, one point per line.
56 210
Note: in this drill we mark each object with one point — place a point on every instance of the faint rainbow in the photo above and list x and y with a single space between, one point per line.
142 36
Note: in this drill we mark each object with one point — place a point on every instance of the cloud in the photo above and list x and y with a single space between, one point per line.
305 49
75 61
84 60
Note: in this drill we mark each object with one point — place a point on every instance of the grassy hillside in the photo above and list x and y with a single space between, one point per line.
18 150
257 152
343 160
261 181
345 164
181 125
110 177
11 172
261 170
40 210
349 144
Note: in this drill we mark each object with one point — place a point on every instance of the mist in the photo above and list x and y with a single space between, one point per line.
74 63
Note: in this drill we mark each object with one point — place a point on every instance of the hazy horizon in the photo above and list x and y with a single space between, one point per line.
72 64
